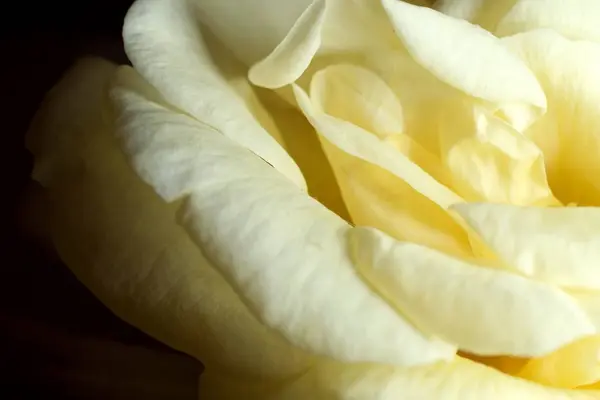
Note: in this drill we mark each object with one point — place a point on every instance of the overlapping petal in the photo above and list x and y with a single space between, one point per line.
283 252
558 245
443 295
123 242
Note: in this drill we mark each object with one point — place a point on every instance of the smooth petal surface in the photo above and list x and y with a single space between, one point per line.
249 28
485 13
445 46
283 252
443 295
164 42
589 301
122 241
558 245
574 19
292 56
568 72
459 380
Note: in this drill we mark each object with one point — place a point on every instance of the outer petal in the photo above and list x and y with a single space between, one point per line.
122 241
568 71
444 296
283 251
555 245
458 380
445 46
574 19
165 44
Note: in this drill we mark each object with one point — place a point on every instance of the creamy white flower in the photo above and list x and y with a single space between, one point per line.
330 199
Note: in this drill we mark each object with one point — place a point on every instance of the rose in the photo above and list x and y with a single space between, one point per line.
453 152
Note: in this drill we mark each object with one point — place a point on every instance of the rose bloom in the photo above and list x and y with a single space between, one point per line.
337 199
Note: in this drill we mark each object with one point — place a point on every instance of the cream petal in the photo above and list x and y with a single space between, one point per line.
283 252
558 245
250 28
122 241
459 380
486 13
445 46
443 295
164 42
574 19
568 72
589 301
292 56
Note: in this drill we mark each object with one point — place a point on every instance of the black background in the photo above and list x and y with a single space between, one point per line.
56 339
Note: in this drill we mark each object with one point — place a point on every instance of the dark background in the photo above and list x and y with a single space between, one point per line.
56 339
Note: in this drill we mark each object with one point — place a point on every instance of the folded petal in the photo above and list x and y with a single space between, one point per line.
292 56
381 186
568 72
558 245
574 19
123 242
443 295
445 46
281 250
164 41
461 379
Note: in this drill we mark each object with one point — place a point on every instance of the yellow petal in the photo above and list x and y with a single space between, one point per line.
576 364
282 251
123 242
361 144
568 72
486 13
292 56
489 161
359 96
443 295
458 380
556 245
165 44
574 19
379 184
445 46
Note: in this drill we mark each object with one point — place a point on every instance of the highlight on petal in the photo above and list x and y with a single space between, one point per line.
469 59
164 42
482 310
283 252
461 379
291 57
488 160
568 72
576 364
574 19
123 242
558 245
